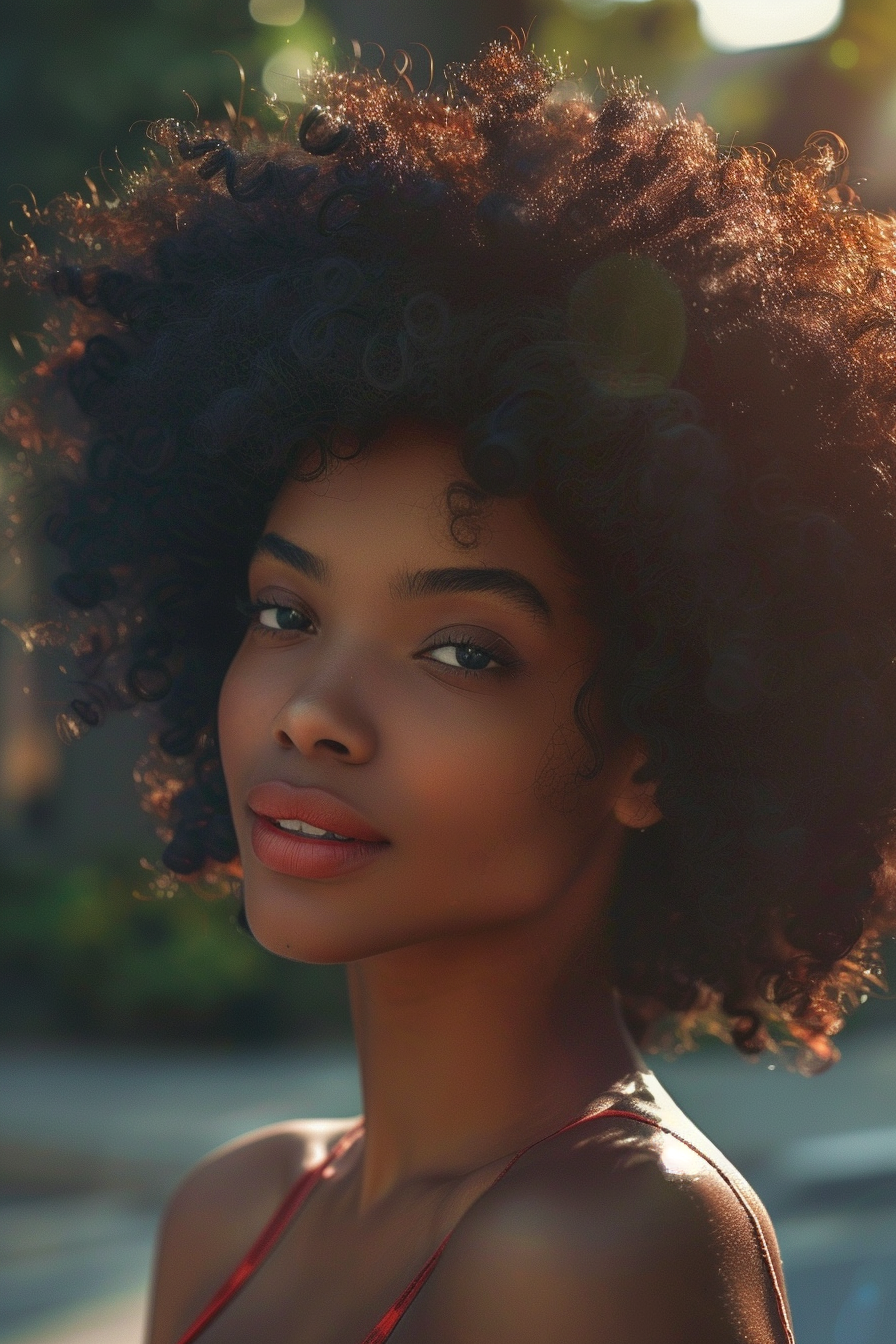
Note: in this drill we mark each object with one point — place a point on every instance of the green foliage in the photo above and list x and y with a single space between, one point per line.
653 42
84 953
76 77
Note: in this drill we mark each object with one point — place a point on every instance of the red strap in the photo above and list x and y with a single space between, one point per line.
270 1235
383 1329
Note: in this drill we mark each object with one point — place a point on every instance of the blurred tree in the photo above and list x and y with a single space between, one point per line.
75 77
88 952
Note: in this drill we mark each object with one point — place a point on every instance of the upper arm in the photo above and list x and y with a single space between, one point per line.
636 1256
217 1212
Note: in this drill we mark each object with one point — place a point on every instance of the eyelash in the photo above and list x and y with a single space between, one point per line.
497 652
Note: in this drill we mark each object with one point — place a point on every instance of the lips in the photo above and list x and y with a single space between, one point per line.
343 843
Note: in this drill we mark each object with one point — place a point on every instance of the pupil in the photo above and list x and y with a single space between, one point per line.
473 659
287 619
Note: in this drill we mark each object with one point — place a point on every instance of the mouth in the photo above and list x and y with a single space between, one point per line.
309 832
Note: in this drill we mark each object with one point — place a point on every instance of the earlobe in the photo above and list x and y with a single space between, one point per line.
635 807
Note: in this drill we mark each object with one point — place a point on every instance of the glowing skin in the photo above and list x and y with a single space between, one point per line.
464 761
477 906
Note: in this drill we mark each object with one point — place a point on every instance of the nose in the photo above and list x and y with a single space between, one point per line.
326 720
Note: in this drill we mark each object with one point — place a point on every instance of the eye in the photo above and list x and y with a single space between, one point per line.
282 618
472 651
468 657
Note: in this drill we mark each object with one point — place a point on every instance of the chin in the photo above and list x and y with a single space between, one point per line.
298 939
316 929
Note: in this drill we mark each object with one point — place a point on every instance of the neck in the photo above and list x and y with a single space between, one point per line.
473 1045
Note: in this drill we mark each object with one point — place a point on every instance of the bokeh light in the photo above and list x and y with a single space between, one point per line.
844 53
280 13
282 73
745 25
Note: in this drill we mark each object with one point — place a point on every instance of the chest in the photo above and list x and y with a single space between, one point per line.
332 1277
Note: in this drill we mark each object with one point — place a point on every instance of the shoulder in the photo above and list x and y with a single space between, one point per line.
617 1232
219 1209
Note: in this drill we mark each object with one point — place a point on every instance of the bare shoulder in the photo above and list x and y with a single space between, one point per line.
219 1209
617 1233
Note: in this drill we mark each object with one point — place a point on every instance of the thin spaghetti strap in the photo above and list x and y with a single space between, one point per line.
269 1236
384 1327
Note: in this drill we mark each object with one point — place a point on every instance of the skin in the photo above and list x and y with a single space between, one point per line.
475 944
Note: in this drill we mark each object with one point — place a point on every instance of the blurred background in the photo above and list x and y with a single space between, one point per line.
138 1026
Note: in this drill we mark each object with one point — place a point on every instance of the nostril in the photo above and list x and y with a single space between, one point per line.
339 747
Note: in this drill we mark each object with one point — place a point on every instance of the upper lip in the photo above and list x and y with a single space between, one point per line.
281 801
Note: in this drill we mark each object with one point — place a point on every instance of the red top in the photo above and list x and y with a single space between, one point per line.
296 1197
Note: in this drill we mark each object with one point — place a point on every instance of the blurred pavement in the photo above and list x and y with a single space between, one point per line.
91 1142
118 1321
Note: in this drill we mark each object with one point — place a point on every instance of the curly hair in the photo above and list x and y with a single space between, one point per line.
685 356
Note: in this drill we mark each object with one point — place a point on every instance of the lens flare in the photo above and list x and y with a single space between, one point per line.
282 74
627 323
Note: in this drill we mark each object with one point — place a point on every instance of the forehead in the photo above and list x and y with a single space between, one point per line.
399 504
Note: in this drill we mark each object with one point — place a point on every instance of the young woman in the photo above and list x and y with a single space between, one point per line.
494 496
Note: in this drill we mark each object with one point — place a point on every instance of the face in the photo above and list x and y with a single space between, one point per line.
397 727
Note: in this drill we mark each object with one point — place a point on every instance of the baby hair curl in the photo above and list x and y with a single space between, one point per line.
685 355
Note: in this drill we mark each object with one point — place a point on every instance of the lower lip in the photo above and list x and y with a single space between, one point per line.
305 856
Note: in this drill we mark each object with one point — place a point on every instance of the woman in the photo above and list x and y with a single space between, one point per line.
494 496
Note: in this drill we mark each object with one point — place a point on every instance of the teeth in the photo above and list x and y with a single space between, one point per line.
305 828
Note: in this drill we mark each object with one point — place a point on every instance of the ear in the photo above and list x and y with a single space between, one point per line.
635 806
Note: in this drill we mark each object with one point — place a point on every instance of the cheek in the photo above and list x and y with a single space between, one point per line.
496 812
241 716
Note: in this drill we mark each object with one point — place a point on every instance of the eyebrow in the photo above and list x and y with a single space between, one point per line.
507 583
295 556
